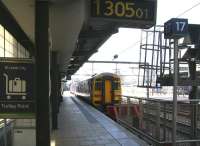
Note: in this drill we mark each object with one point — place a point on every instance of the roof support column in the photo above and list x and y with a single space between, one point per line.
55 80
42 73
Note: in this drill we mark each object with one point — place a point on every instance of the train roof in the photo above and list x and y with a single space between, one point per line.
105 74
101 75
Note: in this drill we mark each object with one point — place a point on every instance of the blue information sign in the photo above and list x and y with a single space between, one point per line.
175 28
17 88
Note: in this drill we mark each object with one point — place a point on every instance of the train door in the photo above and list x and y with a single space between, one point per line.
108 92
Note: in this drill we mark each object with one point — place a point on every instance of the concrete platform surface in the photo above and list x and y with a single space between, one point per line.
80 124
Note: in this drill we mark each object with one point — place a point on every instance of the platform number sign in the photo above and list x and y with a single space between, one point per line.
175 28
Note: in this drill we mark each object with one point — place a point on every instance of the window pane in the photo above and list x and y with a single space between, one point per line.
7 35
1 52
27 54
98 85
1 31
1 42
116 85
12 47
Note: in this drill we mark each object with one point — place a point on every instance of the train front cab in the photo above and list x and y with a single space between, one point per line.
106 91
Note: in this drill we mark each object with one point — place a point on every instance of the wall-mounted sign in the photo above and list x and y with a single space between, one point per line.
143 11
17 97
175 28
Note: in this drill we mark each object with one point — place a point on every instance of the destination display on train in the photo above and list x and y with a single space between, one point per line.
124 9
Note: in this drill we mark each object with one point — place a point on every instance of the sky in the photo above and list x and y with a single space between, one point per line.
126 42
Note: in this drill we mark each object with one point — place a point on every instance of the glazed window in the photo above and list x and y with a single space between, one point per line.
116 85
10 47
98 85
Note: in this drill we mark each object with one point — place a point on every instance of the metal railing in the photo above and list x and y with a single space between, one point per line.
6 132
152 119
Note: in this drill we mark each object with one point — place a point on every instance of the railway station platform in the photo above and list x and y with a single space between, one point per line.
79 124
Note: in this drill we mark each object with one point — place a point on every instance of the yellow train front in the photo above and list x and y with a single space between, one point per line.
100 90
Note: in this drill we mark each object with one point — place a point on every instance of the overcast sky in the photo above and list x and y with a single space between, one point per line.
126 42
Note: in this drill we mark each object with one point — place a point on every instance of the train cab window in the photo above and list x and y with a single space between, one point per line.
116 85
98 85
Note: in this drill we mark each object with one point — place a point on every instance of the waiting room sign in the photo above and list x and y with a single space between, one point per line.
17 92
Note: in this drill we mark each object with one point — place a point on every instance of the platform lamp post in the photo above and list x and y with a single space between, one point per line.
174 29
115 57
92 68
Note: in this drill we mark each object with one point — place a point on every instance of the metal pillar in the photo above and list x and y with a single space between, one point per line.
192 95
59 88
129 105
54 89
158 111
92 68
5 132
148 83
116 69
175 91
42 73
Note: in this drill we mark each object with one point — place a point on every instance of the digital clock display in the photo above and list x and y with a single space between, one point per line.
124 9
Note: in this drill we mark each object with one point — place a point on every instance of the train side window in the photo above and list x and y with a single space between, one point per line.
116 85
98 85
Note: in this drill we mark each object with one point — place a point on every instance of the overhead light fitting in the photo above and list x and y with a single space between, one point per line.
71 59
